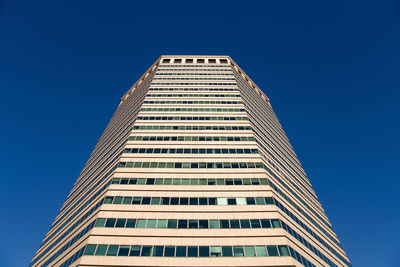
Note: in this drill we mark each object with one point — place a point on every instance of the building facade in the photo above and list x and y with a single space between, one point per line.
193 169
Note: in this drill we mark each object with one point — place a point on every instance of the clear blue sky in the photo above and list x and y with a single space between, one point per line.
331 69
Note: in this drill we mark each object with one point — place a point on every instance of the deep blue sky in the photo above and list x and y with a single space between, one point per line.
330 68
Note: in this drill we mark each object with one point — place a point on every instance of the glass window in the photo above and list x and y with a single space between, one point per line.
272 251
135 251
100 222
276 223
174 201
224 224
227 251
120 223
112 250
184 201
215 251
203 201
193 224
261 251
283 250
194 181
172 223
130 223
192 251
180 251
194 201
255 223
250 252
238 251
241 201
235 224
108 200
203 224
146 251
110 222
165 201
222 201
182 224
214 224
245 223
136 200
127 200
260 201
158 251
212 201
151 223
101 250
169 251
123 250
204 251
250 201
117 200
89 250
155 201
161 223
141 223
146 200
231 201
265 223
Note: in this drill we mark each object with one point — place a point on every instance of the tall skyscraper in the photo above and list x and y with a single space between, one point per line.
194 169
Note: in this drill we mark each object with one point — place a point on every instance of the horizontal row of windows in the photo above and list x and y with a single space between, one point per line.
194 89
191 74
223 68
192 138
191 181
192 127
196 79
189 118
192 60
207 224
222 165
192 165
184 201
190 95
195 102
153 83
191 151
187 251
188 223
195 109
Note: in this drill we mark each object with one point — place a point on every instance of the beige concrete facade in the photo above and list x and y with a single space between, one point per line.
194 159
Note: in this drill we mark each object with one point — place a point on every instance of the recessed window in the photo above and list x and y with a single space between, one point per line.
178 60
200 61
166 60
223 61
212 61
189 60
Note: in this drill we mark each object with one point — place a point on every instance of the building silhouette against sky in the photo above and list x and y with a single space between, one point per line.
194 169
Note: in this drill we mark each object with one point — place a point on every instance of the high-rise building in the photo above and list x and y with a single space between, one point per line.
194 169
